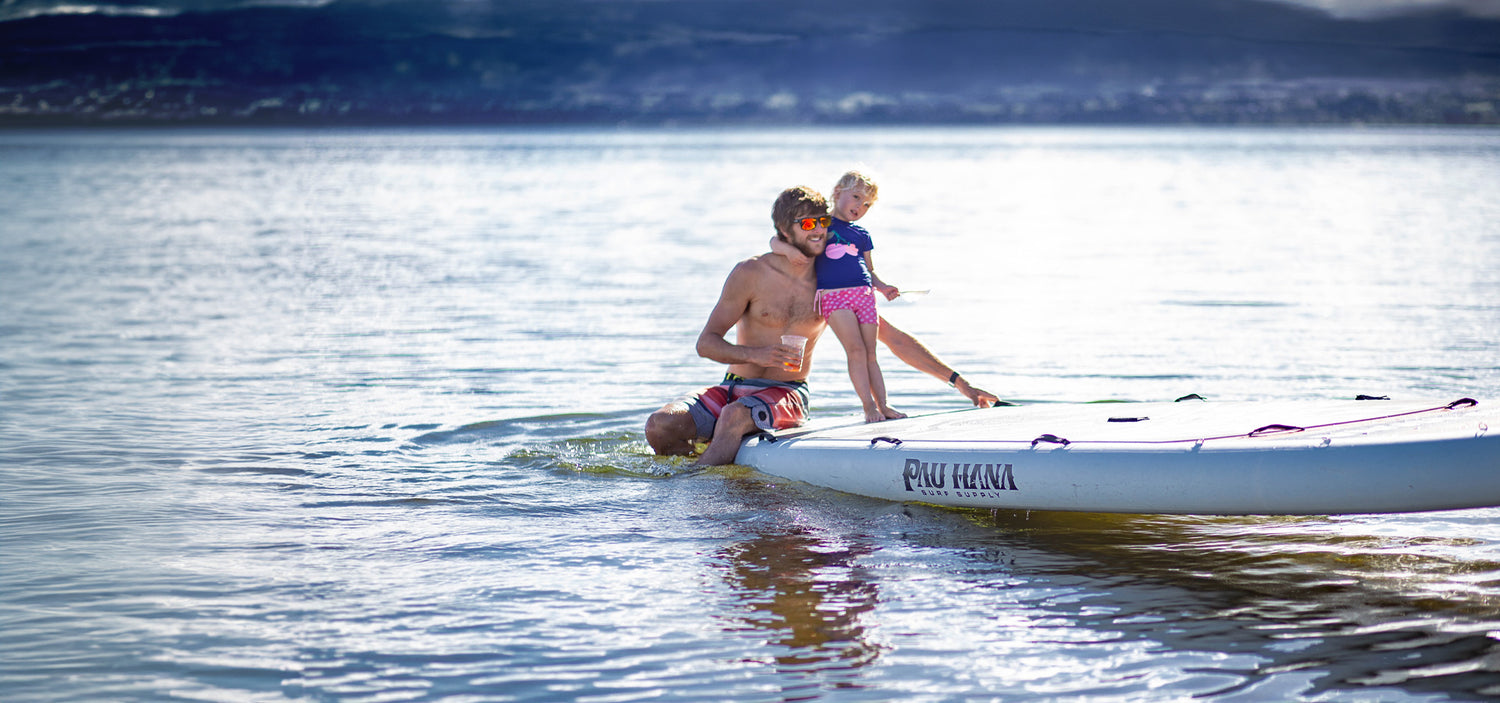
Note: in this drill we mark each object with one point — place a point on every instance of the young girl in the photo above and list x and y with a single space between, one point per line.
846 291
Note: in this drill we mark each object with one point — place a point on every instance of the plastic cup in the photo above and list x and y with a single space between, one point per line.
798 341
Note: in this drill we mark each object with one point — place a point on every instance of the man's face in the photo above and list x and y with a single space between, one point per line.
809 233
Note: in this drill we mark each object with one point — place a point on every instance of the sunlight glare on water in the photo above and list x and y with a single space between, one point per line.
358 415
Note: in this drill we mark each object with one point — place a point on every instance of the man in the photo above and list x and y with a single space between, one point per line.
765 297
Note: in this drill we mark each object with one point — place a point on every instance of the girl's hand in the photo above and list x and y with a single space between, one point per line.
890 292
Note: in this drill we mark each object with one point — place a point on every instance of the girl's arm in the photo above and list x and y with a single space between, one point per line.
789 251
889 291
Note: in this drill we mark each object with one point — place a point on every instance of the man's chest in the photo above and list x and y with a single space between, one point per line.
786 305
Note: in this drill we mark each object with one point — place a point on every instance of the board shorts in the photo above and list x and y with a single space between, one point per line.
774 405
860 299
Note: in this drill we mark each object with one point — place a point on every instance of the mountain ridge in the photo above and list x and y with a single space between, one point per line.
762 62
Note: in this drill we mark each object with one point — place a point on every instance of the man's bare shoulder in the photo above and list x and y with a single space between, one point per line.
761 265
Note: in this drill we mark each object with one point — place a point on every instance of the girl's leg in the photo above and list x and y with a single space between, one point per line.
877 379
847 328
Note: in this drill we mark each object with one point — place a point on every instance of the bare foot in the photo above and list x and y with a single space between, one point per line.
874 415
891 413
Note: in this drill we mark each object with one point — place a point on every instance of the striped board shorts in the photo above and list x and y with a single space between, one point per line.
774 405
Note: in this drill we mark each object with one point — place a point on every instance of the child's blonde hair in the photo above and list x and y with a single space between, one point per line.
856 181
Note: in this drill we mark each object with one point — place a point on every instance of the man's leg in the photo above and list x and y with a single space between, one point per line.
670 431
734 423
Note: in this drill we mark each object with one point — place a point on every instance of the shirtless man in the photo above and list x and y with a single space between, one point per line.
765 297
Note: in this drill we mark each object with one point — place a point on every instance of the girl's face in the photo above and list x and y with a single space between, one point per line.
850 205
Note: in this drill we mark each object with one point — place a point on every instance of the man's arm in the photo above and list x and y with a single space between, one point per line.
918 356
734 303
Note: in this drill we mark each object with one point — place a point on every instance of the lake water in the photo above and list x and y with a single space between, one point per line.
358 415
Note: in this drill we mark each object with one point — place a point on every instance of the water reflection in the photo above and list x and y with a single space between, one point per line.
807 594
1318 600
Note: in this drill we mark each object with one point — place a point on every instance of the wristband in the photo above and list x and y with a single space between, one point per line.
953 380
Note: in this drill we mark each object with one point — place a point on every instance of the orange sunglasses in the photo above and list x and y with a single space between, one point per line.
810 222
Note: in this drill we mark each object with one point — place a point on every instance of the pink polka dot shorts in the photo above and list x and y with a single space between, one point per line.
860 299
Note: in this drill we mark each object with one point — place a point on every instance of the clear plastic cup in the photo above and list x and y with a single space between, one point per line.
798 341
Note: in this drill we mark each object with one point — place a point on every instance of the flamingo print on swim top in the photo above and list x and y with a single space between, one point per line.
842 264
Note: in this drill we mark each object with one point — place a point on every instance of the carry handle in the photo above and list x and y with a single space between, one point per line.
1050 439
1276 429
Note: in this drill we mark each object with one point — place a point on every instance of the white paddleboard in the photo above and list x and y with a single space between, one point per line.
1193 457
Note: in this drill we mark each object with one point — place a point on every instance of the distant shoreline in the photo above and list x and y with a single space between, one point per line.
1321 103
649 63
1474 113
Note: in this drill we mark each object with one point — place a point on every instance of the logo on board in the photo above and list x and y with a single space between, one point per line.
939 478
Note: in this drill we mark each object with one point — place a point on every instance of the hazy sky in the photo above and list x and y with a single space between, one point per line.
1360 9
1348 9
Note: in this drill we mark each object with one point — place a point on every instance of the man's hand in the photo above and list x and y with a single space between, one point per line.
980 397
775 356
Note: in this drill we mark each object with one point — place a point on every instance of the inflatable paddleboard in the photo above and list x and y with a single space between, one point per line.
1188 457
